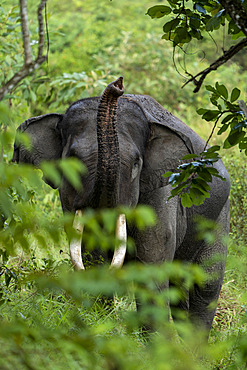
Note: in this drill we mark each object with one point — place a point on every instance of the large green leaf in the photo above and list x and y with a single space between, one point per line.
171 25
222 90
186 200
210 115
158 11
235 94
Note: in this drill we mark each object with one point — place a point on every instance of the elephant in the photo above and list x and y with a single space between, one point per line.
127 143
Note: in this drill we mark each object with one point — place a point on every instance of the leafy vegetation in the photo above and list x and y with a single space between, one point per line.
188 22
51 316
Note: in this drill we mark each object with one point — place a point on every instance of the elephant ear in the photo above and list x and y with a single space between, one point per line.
170 139
46 141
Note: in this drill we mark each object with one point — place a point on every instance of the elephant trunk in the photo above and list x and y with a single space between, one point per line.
106 187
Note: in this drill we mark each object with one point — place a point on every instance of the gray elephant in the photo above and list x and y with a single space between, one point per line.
127 143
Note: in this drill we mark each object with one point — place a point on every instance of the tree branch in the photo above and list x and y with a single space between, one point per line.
29 64
25 32
41 28
216 64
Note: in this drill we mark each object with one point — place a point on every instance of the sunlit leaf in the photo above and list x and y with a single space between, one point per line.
235 94
72 169
51 172
171 25
210 115
222 90
190 156
159 11
167 174
186 200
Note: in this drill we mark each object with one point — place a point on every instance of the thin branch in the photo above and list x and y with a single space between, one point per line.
25 32
216 64
29 64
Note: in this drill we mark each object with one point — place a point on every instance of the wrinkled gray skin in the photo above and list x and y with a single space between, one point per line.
151 142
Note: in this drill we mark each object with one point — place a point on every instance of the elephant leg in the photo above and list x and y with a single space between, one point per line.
203 299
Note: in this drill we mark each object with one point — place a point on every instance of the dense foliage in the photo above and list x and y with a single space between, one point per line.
51 316
188 21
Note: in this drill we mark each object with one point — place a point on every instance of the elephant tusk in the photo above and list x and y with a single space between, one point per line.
120 251
75 244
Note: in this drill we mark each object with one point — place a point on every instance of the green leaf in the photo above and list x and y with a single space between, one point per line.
205 175
167 174
222 129
197 196
233 29
195 22
72 170
222 90
179 188
197 185
182 36
33 96
158 11
237 35
23 139
201 111
51 173
215 172
210 115
186 200
211 88
190 156
144 216
234 138
202 184
235 94
171 25
213 148
243 145
227 118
